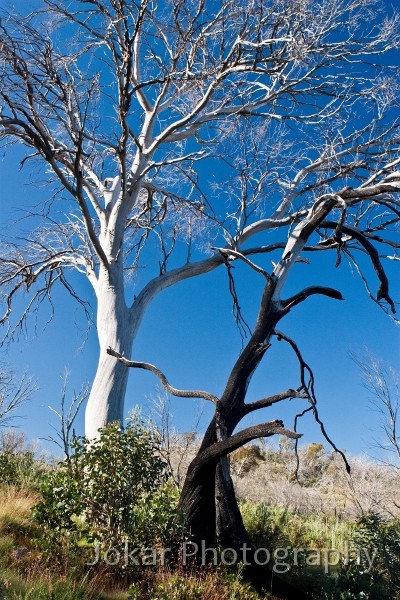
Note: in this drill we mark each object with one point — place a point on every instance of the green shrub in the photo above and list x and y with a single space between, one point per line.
382 580
266 525
19 465
113 490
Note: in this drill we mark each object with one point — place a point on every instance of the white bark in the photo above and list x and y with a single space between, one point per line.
106 400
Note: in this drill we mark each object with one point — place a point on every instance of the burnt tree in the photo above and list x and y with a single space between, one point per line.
208 497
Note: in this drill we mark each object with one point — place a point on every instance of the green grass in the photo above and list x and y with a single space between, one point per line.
277 526
17 587
38 576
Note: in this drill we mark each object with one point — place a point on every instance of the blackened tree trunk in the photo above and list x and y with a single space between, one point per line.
224 522
219 439
208 498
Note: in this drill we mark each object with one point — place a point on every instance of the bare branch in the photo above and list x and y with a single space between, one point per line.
308 387
266 402
383 290
228 254
162 378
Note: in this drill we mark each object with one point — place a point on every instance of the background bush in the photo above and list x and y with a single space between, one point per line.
20 466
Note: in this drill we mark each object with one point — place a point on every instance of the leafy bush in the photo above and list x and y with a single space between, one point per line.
382 580
111 491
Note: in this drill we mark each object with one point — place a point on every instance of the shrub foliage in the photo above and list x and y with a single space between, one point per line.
111 491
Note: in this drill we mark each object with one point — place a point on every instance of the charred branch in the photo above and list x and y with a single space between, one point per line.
235 441
308 388
266 402
383 290
306 293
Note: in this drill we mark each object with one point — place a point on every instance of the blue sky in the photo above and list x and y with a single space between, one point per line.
189 333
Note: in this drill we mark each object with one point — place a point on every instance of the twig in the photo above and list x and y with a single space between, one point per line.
309 387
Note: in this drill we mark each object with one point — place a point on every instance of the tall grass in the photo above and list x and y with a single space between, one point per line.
277 526
16 587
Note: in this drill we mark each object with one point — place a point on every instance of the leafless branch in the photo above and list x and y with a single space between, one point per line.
310 291
162 378
308 387
383 290
235 441
67 416
266 402
14 394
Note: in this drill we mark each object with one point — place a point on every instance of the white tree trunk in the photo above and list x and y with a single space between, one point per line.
106 400
117 327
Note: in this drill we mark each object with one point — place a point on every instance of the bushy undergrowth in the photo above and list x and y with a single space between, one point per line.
278 526
354 577
116 489
112 492
382 581
20 466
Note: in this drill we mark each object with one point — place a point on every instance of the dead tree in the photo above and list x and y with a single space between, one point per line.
381 381
208 497
123 116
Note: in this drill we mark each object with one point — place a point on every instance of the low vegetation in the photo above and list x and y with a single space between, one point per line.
121 489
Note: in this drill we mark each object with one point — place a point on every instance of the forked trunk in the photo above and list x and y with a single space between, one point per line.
213 517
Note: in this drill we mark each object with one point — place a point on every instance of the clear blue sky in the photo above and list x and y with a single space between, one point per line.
190 334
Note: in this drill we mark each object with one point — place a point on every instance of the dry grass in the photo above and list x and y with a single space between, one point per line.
16 503
265 473
16 525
